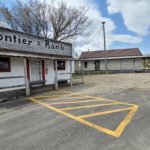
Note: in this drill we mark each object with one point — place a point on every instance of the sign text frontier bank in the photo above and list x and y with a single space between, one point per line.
27 61
19 40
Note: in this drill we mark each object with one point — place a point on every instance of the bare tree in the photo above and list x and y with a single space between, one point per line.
40 13
67 22
38 18
27 18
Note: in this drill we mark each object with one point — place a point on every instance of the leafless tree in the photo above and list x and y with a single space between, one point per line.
27 18
39 18
67 22
40 13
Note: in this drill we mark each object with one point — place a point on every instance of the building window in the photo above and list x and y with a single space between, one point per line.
61 65
4 64
97 64
85 64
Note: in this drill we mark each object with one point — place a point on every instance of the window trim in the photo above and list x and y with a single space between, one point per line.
85 66
64 64
9 66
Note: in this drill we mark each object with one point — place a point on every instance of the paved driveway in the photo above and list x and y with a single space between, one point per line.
78 118
89 109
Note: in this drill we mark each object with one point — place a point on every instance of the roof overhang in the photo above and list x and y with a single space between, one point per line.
112 58
27 55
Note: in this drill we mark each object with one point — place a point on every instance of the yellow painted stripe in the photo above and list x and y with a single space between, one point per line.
55 99
126 121
117 133
74 102
114 101
105 112
88 106
63 98
50 96
92 125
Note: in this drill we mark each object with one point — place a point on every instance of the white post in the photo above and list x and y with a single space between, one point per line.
120 65
82 72
56 78
105 52
27 83
70 72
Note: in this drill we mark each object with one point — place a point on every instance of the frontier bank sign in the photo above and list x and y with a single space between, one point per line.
18 41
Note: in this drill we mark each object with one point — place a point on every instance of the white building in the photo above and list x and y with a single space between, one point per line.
121 60
27 61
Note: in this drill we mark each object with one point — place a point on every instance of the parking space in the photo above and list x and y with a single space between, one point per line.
79 107
107 112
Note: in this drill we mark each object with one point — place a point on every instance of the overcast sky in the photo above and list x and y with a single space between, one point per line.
127 24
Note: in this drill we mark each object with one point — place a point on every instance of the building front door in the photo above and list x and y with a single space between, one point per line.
36 70
97 64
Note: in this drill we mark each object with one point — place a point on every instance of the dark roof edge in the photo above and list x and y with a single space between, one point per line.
111 50
125 57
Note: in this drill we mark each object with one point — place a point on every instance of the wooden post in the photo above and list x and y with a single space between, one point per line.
56 78
120 65
82 72
26 74
79 66
134 64
43 70
70 72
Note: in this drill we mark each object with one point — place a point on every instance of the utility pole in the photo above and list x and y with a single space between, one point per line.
105 52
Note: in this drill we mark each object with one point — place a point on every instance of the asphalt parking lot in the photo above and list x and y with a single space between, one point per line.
95 116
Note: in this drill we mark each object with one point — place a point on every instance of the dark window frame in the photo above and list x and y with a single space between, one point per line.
9 66
97 64
85 64
60 61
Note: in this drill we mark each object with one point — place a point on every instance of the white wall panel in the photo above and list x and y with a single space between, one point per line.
139 64
114 64
102 65
50 76
17 69
117 64
63 74
90 65
127 64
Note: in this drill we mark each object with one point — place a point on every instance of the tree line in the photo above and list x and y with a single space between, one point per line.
56 20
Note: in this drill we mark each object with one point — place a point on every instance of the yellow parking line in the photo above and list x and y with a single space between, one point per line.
74 102
126 121
55 99
92 125
50 96
83 95
104 112
88 106
116 133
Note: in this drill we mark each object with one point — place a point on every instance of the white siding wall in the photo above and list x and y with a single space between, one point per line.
114 64
102 65
73 67
50 76
62 74
17 69
117 64
127 64
90 65
139 64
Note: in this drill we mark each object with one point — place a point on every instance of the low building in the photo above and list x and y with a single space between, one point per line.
120 60
28 61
